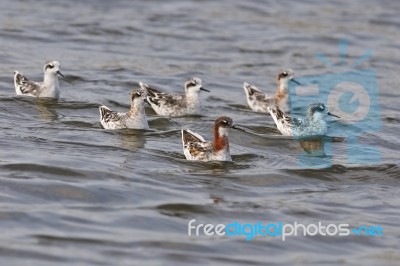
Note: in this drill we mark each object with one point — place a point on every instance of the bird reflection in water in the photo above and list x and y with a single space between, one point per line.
315 146
46 108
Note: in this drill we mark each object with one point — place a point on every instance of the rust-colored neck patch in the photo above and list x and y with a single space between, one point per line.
220 142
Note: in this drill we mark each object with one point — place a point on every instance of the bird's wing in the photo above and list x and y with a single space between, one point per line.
190 136
250 89
173 100
107 115
296 121
25 85
253 93
261 97
151 92
194 145
159 98
280 115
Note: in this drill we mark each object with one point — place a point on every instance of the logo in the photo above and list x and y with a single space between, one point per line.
282 230
351 94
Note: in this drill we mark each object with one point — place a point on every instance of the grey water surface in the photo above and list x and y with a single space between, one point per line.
72 193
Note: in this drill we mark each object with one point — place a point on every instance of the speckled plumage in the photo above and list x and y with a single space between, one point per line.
135 118
259 102
176 104
48 88
312 125
196 148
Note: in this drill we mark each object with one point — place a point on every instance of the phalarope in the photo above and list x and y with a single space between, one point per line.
176 104
312 125
135 118
48 88
196 148
259 101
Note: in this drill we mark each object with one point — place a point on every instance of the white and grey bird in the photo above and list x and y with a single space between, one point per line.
176 104
259 101
135 118
48 88
313 124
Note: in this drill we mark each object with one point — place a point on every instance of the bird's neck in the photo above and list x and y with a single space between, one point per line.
282 89
221 141
317 117
191 94
192 100
138 115
50 81
137 109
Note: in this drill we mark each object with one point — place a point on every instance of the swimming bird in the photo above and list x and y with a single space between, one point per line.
176 104
196 148
48 88
135 118
259 101
312 125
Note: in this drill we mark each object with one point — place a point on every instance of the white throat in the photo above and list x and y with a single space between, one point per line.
223 131
137 106
192 101
50 87
137 114
318 116
50 81
192 93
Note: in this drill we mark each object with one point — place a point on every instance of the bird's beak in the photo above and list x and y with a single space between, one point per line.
59 73
146 101
295 81
202 89
237 128
329 113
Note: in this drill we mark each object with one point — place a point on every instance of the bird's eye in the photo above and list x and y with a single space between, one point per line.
50 66
138 94
284 73
224 121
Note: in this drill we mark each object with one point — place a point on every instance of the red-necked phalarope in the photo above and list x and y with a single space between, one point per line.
196 148
48 88
259 101
312 125
135 118
176 104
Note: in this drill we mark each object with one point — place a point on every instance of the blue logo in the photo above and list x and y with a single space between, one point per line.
347 104
352 95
